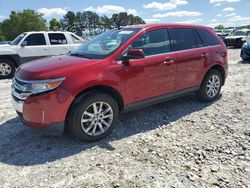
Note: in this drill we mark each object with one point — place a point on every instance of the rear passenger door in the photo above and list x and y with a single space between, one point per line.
58 44
217 54
191 55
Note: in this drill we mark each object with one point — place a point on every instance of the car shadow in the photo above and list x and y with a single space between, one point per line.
244 62
22 146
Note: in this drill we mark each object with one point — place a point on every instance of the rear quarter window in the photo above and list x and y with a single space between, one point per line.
75 39
207 38
57 39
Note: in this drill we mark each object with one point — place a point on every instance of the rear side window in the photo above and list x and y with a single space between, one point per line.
207 38
75 39
184 39
153 42
57 38
35 39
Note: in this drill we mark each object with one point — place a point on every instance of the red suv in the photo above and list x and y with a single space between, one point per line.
117 71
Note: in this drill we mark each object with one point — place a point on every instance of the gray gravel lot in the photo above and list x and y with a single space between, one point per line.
181 143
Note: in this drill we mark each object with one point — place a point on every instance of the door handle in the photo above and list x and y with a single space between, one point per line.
46 48
168 61
204 55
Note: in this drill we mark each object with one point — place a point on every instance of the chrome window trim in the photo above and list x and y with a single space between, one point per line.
211 46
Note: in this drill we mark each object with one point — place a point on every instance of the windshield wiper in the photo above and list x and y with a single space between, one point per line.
81 55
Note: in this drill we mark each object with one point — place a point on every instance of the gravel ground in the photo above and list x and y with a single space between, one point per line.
181 143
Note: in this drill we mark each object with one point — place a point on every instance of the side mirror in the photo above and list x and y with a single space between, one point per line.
133 54
24 43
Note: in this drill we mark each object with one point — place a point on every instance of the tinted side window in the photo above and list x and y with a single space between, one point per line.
184 39
57 38
36 39
153 42
199 42
207 38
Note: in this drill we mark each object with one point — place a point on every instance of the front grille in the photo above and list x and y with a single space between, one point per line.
20 89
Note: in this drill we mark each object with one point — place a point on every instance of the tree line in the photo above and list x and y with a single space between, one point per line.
30 20
221 27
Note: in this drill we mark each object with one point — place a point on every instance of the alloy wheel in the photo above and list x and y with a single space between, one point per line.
97 118
5 69
213 86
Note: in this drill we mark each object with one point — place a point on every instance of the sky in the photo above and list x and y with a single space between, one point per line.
202 12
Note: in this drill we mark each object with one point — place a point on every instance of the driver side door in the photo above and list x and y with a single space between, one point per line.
154 75
35 48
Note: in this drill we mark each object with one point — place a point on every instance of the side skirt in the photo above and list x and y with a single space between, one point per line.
159 99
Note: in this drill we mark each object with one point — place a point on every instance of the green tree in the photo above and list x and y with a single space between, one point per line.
19 22
55 25
92 21
69 22
105 22
220 27
123 19
2 37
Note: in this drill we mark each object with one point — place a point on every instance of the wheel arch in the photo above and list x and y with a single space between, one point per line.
97 88
108 90
14 58
220 69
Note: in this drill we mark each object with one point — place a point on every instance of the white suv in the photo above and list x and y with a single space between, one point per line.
33 45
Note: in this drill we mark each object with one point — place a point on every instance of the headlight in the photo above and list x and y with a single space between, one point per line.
244 45
243 39
40 86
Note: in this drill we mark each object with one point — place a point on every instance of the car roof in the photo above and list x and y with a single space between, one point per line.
148 26
28 32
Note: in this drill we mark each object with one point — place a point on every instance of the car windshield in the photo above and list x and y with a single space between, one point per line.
18 39
105 44
240 33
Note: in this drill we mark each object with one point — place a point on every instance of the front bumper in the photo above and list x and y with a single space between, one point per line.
234 42
245 54
46 111
17 104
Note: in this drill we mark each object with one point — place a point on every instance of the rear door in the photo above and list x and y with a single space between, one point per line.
191 55
58 44
217 54
35 48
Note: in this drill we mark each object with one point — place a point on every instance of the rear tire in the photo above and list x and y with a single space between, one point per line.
210 87
7 68
93 117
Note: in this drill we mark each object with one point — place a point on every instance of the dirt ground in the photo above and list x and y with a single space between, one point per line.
180 143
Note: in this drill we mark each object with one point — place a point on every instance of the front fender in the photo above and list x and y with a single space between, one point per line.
4 51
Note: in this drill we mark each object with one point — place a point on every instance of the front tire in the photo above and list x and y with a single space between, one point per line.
210 87
7 68
93 116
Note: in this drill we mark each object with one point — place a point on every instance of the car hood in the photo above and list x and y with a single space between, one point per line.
52 67
7 46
